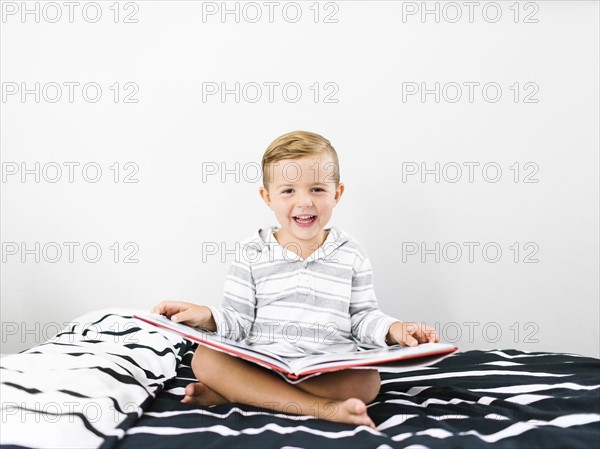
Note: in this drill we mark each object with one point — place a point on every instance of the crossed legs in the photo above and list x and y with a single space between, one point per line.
339 396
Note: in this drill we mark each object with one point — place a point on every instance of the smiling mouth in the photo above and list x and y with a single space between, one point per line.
304 219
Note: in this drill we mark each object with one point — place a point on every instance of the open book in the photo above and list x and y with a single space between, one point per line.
297 369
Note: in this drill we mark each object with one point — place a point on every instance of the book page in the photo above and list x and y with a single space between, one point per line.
373 356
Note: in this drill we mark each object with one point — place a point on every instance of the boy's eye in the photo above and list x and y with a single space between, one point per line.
316 189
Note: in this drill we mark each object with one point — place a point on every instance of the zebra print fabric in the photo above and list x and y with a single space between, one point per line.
476 399
127 371
86 384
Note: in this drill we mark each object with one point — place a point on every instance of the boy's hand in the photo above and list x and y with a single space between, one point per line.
411 334
188 313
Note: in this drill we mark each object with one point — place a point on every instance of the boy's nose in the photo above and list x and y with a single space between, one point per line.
305 201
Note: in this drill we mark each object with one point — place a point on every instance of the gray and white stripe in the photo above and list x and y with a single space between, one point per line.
322 304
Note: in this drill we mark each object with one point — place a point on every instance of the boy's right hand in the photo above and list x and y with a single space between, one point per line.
185 312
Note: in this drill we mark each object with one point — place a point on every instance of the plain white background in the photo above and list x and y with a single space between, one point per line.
363 64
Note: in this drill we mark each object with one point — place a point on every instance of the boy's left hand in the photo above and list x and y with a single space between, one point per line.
411 334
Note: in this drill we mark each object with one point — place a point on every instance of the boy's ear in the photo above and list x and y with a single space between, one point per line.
339 191
264 194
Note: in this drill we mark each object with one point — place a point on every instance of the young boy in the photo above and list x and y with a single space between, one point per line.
298 288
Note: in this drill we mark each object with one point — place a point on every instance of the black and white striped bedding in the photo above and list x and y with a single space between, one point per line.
83 386
475 399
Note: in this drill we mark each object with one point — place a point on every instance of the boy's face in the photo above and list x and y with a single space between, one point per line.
302 193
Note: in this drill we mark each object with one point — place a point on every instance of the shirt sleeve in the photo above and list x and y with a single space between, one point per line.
369 324
235 317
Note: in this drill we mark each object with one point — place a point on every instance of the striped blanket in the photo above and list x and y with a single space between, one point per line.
111 381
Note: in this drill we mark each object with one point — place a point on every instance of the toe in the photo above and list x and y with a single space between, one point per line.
357 407
194 389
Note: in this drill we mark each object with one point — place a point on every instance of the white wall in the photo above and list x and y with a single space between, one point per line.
371 55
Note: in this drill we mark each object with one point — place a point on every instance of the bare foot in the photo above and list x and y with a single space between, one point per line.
199 394
350 411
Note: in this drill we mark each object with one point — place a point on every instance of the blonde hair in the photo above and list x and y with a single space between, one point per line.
299 145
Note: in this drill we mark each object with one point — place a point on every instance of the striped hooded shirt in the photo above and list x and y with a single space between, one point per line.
292 307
